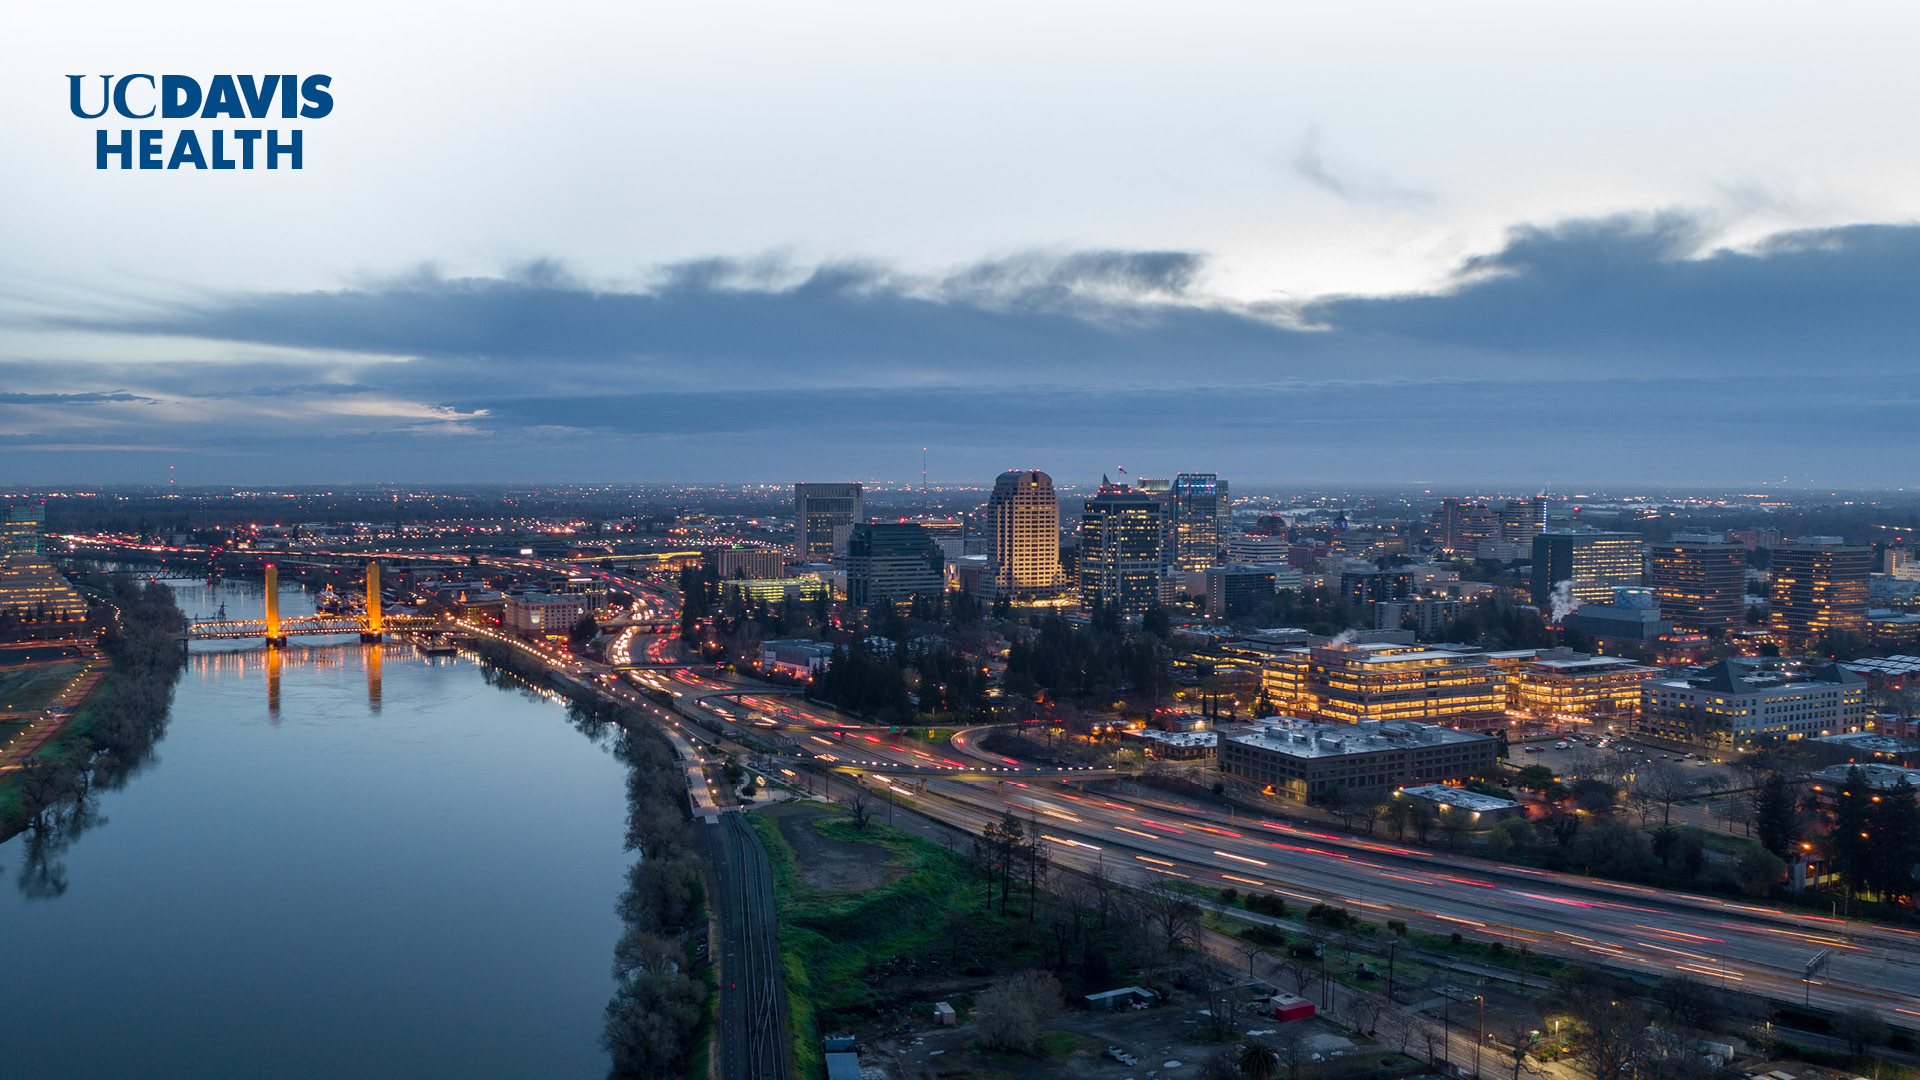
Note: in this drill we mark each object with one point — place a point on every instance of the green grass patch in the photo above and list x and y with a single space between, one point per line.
1724 843
30 689
1055 1045
857 955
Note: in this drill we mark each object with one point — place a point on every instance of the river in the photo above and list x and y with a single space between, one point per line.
342 860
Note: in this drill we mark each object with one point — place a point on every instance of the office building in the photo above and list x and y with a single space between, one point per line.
1818 587
1459 526
1225 522
1633 615
1701 582
1236 589
745 562
31 589
1595 562
1370 586
1122 532
1195 520
1305 760
1579 688
20 527
1255 549
1352 682
817 510
543 615
892 562
1523 519
1023 521
776 591
1741 699
1426 618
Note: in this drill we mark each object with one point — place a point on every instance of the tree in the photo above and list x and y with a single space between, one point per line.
1759 871
1894 844
1534 778
1850 843
1173 915
1256 1060
1774 816
1456 822
1010 1014
1861 1029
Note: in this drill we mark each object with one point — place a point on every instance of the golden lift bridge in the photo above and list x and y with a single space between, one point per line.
275 630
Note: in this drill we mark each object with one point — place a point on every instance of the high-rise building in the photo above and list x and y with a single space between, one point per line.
1818 586
1226 511
1195 520
1595 562
1460 526
1234 590
817 509
20 525
1121 535
892 562
1023 521
1523 519
1700 581
31 589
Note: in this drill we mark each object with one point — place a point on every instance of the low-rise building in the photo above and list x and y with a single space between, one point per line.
540 615
1175 745
1580 688
1305 760
796 659
746 562
777 590
1486 809
1829 783
1740 699
1380 680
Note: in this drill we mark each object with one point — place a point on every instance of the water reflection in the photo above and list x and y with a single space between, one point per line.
341 837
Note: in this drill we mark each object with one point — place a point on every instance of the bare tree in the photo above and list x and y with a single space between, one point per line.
858 804
1173 914
1363 1011
1010 1014
1663 783
1513 1034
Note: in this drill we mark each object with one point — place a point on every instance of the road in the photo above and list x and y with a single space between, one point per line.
47 722
1146 835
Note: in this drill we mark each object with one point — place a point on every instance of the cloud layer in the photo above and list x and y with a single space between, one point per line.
1622 349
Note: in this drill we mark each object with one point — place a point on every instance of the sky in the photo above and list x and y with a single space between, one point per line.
1471 244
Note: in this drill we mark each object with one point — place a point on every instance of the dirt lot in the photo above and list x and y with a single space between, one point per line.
829 865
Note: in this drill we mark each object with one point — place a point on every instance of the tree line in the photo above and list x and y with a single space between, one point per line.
114 733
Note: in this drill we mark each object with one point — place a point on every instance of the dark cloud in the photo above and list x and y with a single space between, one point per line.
90 397
1604 348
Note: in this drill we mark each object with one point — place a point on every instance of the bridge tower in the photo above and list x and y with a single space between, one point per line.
371 635
275 638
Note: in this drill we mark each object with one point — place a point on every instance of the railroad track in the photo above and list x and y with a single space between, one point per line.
760 1009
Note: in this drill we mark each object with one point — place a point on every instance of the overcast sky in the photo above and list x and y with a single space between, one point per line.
1503 244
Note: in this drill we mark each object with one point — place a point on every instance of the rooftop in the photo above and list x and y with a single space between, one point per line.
1878 777
1869 743
1306 739
1466 800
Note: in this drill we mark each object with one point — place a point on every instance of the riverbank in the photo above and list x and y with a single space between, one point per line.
104 722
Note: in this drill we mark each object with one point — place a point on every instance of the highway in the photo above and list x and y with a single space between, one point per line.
1143 835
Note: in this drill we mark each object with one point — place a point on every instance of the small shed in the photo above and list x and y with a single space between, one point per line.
943 1014
1119 999
843 1067
1286 1007
837 1044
